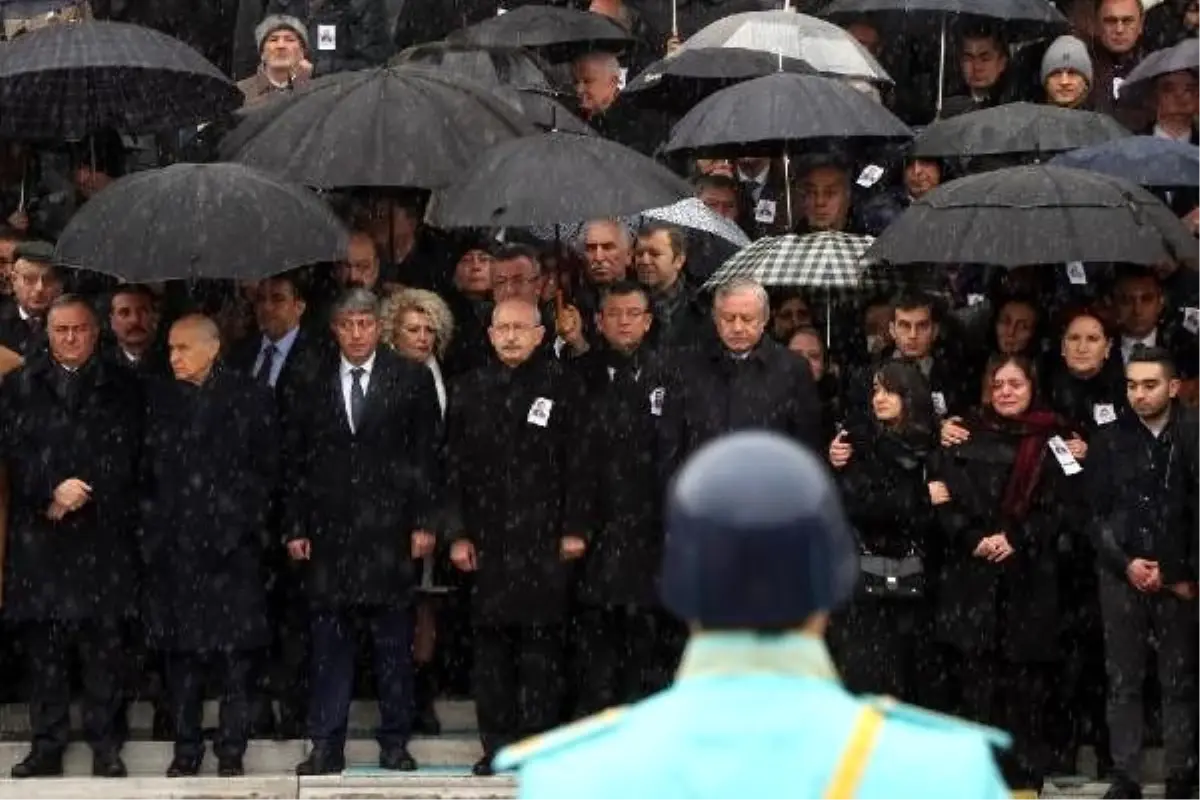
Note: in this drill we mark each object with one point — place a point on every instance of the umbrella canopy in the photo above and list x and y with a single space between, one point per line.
200 221
67 81
679 81
1035 215
554 178
823 45
1016 128
544 111
1183 56
403 126
1020 19
694 215
822 260
491 66
560 33
1144 160
779 109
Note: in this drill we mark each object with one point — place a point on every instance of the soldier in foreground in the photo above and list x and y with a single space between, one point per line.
757 553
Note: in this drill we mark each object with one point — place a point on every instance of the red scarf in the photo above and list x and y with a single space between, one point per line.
1035 427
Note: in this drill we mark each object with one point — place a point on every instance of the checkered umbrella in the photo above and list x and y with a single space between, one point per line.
823 260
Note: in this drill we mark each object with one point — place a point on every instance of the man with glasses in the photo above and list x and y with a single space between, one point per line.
1117 49
513 458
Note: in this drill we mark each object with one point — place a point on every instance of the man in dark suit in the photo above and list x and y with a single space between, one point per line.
71 435
360 455
283 356
133 320
36 283
206 607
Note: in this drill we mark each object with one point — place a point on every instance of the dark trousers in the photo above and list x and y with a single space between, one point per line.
881 647
51 644
1011 697
1134 622
518 682
333 651
624 655
186 673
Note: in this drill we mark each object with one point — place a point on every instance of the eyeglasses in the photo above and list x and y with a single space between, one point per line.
505 328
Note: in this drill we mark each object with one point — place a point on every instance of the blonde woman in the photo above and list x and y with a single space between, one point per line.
420 326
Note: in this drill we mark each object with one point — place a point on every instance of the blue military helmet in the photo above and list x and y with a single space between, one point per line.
756 536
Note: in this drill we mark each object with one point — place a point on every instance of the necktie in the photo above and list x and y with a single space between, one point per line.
358 398
268 364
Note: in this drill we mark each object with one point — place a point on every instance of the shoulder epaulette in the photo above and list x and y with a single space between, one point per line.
914 715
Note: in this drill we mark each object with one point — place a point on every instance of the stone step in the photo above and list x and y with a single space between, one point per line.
457 716
262 757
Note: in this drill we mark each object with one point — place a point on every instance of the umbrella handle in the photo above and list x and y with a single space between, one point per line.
941 68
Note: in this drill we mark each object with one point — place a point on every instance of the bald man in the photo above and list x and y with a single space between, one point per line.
517 417
210 463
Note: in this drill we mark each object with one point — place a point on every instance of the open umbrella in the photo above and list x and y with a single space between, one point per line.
787 34
1145 160
70 80
1182 56
551 179
557 33
1035 215
821 260
1020 20
679 81
402 126
200 221
1016 128
771 113
491 66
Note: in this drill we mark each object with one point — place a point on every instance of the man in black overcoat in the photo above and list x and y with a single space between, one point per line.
513 452
359 459
209 468
71 434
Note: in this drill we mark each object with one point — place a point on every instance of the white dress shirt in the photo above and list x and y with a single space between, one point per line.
1129 342
282 348
439 382
367 367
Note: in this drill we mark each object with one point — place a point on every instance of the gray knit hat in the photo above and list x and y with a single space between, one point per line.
1067 52
274 22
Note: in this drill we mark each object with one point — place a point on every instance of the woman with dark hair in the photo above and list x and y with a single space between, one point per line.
998 603
880 638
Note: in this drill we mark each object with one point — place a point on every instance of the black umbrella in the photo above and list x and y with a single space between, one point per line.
682 80
67 81
555 178
559 33
1015 129
200 221
545 111
771 113
491 66
403 126
1035 215
1181 57
1144 160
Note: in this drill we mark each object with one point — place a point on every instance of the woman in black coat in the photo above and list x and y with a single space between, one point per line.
880 639
998 601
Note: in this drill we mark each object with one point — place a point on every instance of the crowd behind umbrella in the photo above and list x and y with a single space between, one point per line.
412 351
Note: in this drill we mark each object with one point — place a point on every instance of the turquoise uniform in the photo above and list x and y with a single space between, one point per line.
759 716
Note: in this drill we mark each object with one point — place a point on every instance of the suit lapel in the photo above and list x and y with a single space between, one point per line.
377 388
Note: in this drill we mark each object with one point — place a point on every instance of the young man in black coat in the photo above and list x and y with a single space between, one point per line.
71 435
1144 472
209 469
360 450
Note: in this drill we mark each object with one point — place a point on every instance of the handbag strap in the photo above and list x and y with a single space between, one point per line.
854 759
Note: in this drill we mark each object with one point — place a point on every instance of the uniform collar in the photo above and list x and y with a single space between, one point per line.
742 652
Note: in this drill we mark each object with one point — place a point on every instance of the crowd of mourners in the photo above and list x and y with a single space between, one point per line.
436 468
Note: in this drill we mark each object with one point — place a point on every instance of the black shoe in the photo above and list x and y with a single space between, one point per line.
1179 788
483 767
230 767
397 759
185 767
1123 788
108 765
321 763
39 764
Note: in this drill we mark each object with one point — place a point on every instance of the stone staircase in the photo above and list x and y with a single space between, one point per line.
445 765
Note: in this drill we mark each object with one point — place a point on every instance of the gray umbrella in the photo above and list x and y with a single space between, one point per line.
1183 56
201 221
1016 128
775 111
1035 215
825 46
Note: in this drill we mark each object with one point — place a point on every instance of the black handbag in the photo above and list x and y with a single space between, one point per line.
892 578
